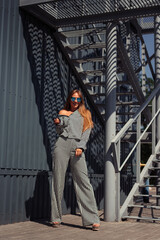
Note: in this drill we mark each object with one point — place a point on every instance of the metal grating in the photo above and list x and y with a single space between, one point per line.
69 8
62 13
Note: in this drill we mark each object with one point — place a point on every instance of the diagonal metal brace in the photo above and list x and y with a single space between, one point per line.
132 76
138 28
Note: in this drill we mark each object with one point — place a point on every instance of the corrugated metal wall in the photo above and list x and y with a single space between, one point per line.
34 82
21 136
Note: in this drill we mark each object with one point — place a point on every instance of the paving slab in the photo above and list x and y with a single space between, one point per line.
72 229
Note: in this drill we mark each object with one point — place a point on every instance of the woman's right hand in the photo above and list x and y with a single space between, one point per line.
56 120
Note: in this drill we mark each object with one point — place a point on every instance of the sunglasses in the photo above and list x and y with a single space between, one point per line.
78 99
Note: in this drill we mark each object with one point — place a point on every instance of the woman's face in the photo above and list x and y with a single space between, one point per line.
75 101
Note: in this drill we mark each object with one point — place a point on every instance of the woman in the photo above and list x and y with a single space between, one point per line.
74 125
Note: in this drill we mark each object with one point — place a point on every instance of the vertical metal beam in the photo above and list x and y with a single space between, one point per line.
118 194
110 121
144 55
157 71
128 43
138 151
157 67
153 125
143 69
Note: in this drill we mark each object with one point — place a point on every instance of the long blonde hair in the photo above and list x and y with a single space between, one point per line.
85 113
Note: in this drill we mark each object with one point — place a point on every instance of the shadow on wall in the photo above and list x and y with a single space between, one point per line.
39 206
50 94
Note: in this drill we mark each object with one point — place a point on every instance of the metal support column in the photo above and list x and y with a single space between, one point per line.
157 67
110 121
157 71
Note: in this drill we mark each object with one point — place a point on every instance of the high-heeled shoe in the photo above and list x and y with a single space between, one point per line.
56 224
95 227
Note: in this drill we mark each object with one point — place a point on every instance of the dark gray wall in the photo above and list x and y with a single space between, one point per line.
34 81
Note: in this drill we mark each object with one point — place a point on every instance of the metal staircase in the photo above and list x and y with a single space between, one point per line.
146 205
137 196
86 48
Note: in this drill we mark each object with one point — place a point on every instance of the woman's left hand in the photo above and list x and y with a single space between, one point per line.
78 152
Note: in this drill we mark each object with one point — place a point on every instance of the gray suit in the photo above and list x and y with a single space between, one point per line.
71 137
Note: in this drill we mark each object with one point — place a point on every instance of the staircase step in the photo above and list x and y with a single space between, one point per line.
125 93
95 84
99 72
154 168
156 160
127 103
93 59
87 46
141 218
125 113
144 206
82 32
151 176
147 195
149 185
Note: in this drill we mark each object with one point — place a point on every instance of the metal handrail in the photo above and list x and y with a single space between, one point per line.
135 116
138 141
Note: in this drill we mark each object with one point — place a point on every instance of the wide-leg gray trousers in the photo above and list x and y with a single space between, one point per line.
64 152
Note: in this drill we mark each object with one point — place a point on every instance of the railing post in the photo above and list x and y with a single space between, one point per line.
138 152
153 125
143 69
118 183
